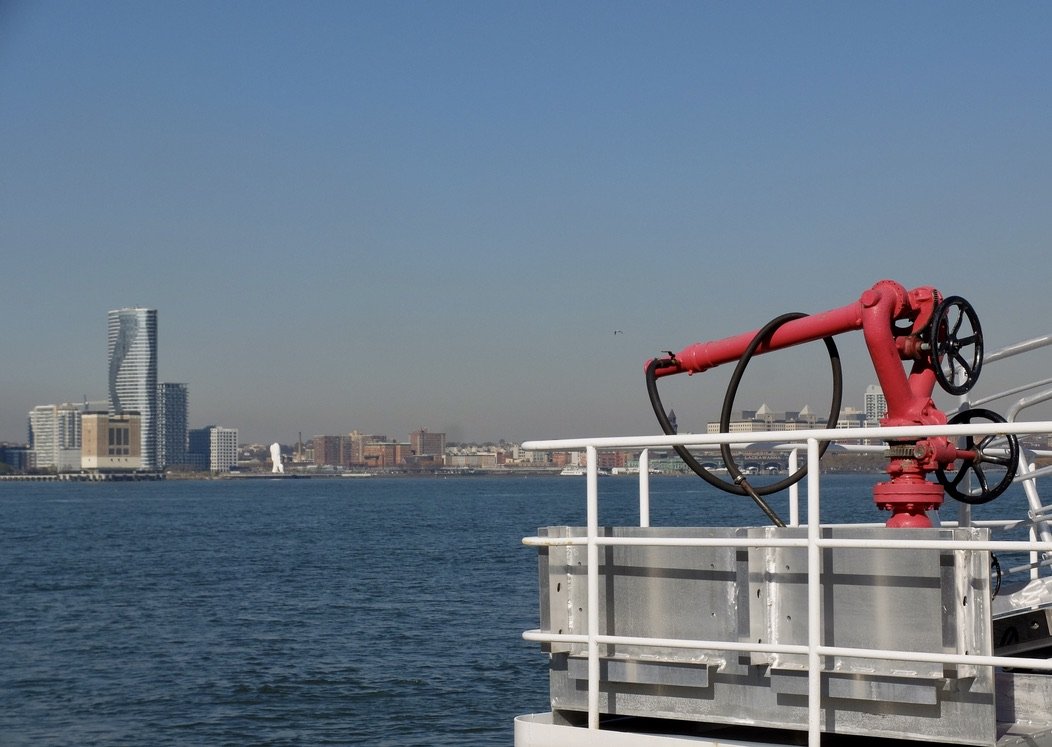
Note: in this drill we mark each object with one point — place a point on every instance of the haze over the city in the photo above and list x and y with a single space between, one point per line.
391 215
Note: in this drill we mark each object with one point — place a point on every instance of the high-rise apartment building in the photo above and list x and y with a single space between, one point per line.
199 449
213 447
223 449
876 405
172 424
132 354
54 437
328 451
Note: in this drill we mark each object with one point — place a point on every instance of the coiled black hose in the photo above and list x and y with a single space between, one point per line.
741 486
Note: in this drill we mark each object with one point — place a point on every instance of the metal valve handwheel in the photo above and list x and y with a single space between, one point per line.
991 462
956 341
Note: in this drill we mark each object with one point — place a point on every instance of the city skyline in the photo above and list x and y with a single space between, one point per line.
483 218
132 353
133 386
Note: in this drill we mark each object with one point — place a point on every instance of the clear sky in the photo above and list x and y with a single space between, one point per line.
390 215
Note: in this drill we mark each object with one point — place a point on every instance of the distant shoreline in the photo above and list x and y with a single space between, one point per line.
258 476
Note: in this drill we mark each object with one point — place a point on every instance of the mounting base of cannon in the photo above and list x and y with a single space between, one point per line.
889 599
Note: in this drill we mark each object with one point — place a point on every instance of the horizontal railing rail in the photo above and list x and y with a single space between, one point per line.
799 437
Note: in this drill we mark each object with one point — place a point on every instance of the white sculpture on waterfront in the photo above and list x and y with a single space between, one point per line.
275 456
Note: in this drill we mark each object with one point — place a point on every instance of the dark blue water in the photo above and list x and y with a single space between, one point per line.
299 612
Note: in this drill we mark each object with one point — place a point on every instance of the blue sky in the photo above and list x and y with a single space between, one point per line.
390 215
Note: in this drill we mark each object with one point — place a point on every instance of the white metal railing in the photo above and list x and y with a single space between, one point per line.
995 358
814 650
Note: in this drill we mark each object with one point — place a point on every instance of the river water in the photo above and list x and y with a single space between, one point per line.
296 612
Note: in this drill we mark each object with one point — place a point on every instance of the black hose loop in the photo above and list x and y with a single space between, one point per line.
666 427
732 391
695 466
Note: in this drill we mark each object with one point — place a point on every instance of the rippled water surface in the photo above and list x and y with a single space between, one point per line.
379 611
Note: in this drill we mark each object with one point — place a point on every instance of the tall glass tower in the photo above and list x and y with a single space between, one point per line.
172 424
132 353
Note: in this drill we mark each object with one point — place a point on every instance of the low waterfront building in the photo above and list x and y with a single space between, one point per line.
424 443
347 451
766 419
16 456
473 460
384 454
111 442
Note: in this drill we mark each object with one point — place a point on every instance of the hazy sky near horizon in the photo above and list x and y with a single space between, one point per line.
390 215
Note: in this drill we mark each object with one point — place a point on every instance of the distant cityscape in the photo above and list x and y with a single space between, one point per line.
141 430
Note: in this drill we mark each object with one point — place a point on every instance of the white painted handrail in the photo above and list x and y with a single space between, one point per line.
809 440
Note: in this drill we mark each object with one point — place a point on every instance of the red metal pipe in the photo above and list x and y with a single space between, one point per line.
909 397
875 313
701 356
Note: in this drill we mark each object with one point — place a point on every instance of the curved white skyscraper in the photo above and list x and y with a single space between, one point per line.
132 353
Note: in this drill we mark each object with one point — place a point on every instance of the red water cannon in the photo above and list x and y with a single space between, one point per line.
938 336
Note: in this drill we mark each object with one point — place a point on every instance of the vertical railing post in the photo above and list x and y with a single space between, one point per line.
1035 557
794 491
644 488
814 600
593 587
